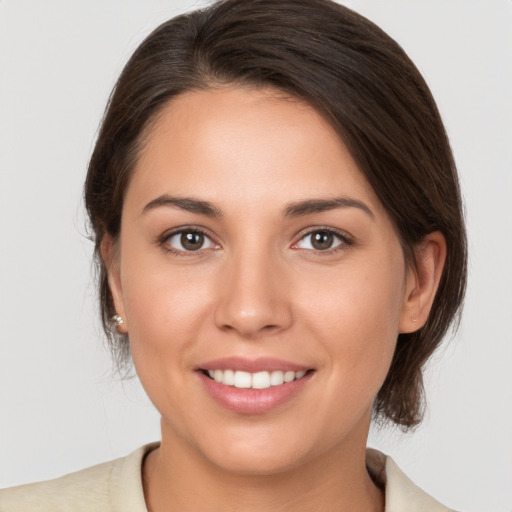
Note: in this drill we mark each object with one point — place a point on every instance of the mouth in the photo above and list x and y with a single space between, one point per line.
257 380
256 386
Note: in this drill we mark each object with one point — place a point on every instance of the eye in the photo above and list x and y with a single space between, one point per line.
188 241
321 240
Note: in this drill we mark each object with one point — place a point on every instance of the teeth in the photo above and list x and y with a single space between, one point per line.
228 377
261 380
258 380
242 379
276 378
289 376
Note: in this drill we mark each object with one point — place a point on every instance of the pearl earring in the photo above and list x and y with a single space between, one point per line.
117 320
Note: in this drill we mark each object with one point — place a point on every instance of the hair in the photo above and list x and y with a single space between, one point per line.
352 73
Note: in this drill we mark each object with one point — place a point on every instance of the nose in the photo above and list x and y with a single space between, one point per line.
253 297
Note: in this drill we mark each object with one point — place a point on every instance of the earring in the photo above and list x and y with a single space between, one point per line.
414 320
117 320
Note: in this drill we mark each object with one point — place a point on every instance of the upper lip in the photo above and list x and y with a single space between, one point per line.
259 364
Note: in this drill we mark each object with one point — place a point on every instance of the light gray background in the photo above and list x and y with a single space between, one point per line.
61 409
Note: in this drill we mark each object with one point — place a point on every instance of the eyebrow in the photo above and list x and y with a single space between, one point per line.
185 203
310 206
295 209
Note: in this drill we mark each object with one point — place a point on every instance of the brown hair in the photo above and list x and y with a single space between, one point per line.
366 87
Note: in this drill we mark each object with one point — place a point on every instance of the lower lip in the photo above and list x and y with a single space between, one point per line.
253 401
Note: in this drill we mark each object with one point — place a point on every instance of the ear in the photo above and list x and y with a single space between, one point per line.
422 282
108 251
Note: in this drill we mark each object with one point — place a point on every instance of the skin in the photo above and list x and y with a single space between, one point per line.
259 288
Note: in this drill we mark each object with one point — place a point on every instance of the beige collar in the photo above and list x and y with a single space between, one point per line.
402 495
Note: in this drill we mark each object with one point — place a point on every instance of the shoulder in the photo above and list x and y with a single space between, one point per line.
84 490
107 487
402 494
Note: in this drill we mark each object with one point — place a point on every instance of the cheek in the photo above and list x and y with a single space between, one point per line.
165 305
163 308
166 313
357 320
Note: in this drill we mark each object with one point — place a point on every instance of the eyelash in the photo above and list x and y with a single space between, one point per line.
345 240
164 240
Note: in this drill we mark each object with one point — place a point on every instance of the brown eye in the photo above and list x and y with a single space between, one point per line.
189 241
321 240
192 241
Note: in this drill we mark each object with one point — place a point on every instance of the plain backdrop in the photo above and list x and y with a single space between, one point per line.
61 408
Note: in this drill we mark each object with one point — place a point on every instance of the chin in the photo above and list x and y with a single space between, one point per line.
262 451
250 463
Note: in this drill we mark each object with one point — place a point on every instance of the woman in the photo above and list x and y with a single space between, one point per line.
281 247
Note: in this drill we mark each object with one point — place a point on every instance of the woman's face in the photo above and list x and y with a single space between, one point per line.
253 249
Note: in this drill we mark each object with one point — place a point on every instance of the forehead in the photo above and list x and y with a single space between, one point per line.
248 143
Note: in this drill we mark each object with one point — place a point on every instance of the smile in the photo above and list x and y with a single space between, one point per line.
258 380
254 386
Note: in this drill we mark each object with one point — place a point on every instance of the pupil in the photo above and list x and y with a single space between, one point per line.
322 240
192 241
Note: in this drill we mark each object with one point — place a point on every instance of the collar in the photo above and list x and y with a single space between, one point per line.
401 493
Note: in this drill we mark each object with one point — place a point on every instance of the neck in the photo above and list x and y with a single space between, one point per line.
176 477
